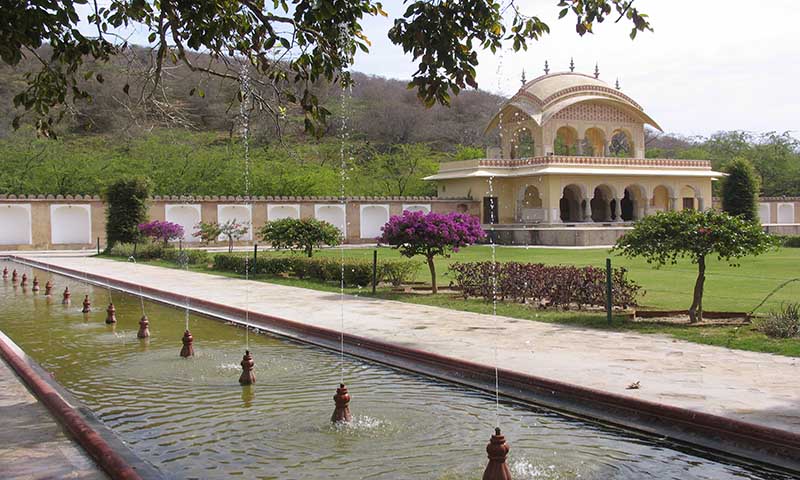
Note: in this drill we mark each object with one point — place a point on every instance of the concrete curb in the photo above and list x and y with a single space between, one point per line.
724 436
108 459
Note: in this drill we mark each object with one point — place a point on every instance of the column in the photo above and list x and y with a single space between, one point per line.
579 148
616 211
587 212
606 153
673 204
700 204
646 207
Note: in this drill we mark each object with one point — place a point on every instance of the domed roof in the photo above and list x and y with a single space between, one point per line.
545 96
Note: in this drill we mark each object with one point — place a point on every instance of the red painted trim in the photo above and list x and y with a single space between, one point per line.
777 447
92 443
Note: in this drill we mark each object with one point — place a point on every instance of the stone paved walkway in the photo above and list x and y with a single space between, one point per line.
752 387
32 444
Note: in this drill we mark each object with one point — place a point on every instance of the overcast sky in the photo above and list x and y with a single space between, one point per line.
709 65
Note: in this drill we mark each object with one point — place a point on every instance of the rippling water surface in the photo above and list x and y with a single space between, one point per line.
191 419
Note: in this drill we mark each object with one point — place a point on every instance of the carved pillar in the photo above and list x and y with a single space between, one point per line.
646 207
587 211
700 204
673 204
616 211
605 149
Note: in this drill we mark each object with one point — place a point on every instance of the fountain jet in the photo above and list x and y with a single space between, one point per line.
65 299
247 377
87 305
341 414
144 327
111 314
187 350
497 469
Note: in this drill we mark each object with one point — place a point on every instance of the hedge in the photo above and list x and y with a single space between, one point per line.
790 241
356 272
560 286
157 251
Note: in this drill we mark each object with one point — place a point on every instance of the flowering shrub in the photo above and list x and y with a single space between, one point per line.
207 232
561 286
164 231
431 234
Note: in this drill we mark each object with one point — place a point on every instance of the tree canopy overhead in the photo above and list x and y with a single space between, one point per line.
288 45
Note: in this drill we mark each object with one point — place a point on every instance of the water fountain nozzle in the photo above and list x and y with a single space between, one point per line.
341 414
247 377
14 277
188 348
111 314
497 449
5 273
48 288
144 327
24 282
87 305
65 299
36 287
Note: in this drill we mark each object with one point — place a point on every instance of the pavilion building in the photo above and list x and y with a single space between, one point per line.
572 154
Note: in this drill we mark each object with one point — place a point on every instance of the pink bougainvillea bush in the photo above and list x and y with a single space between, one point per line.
159 230
431 234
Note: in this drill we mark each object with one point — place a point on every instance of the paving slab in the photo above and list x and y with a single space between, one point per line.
32 444
758 388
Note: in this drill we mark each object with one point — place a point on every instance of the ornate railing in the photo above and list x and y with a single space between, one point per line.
573 160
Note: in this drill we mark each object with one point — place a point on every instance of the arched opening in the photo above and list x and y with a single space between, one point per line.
566 142
333 214
689 199
522 144
660 201
570 204
16 222
621 144
279 212
602 204
595 143
786 213
239 214
70 224
187 216
373 217
632 203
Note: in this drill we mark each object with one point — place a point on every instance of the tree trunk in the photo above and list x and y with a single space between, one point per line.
309 250
696 310
432 267
230 244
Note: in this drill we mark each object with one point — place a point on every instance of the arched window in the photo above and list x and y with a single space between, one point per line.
522 144
621 144
566 142
594 143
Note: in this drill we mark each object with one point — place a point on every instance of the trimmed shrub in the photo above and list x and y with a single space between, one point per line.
356 272
305 234
790 241
193 257
158 251
740 190
561 286
785 323
126 208
399 272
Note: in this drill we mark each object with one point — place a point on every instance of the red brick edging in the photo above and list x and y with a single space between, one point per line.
113 464
780 448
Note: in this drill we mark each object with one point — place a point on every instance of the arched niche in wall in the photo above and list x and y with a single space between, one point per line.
281 211
764 213
333 214
239 213
785 213
417 207
185 215
70 224
16 224
621 144
373 217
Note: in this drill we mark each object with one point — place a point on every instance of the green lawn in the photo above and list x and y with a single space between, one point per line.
730 289
727 288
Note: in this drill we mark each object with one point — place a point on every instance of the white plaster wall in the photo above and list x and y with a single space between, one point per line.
373 217
70 224
278 212
185 215
763 213
785 213
417 207
333 214
15 224
240 213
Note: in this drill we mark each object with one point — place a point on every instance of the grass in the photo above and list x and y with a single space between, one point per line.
727 289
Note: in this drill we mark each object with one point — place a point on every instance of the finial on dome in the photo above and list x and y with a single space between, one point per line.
571 64
617 84
523 77
596 70
546 68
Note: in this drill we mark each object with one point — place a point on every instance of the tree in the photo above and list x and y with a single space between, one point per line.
289 45
233 231
163 231
403 168
207 232
740 190
126 208
305 234
667 236
431 235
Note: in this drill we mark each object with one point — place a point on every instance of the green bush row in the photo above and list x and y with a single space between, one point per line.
791 241
356 272
158 251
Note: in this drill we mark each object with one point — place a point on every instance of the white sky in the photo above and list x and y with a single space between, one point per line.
709 65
